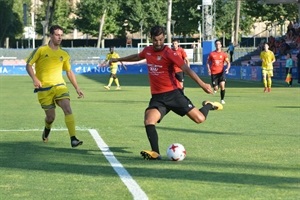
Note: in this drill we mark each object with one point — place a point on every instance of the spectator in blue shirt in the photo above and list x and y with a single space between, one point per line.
231 51
289 67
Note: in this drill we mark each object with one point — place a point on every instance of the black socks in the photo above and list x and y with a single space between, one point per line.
222 94
152 137
205 109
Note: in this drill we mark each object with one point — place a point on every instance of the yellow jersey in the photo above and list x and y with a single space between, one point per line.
112 55
49 65
267 58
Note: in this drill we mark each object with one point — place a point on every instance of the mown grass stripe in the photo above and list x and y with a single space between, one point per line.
130 183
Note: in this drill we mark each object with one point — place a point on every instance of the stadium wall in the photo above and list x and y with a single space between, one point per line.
252 73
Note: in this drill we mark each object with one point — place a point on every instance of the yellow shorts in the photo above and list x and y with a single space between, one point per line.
268 72
48 98
113 70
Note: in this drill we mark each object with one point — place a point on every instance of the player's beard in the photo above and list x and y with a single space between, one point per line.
158 47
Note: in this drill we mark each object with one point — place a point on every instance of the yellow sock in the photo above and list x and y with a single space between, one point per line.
48 126
110 81
70 123
117 81
269 82
265 83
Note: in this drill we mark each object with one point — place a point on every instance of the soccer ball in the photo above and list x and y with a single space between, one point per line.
176 152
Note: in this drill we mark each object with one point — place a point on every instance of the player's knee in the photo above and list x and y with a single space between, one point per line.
67 111
50 119
199 119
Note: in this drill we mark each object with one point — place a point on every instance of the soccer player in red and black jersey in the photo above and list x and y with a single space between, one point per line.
181 53
165 88
215 66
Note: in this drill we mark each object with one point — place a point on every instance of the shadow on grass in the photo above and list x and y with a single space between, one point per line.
184 130
287 107
42 157
118 101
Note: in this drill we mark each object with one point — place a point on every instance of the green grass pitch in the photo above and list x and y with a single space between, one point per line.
249 150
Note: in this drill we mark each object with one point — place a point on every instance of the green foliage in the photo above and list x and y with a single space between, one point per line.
11 21
90 12
18 8
271 12
186 15
61 16
149 12
225 17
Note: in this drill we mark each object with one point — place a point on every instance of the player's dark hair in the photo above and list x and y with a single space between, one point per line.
157 30
55 27
218 41
266 43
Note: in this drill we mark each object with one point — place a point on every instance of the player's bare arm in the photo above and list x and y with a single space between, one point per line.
72 78
186 59
36 82
205 86
208 67
228 66
131 58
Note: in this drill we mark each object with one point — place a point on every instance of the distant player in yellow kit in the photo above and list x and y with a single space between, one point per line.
113 68
50 62
268 58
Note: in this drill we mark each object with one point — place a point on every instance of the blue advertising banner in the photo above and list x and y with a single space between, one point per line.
13 70
252 73
94 69
236 72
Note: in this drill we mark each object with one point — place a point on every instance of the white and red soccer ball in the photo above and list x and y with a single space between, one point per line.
176 152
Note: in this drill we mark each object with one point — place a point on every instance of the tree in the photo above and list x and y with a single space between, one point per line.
149 12
53 12
271 13
187 17
89 13
11 23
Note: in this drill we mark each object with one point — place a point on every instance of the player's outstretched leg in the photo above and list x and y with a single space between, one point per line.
215 105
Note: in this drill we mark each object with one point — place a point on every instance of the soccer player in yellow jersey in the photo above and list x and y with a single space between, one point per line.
113 68
50 62
268 58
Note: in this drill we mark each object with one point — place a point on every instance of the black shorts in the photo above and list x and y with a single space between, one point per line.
216 79
171 101
179 76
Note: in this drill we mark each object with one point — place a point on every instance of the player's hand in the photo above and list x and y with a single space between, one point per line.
37 83
101 65
80 93
124 66
207 88
226 71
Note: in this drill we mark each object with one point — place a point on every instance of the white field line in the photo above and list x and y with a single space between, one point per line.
130 183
